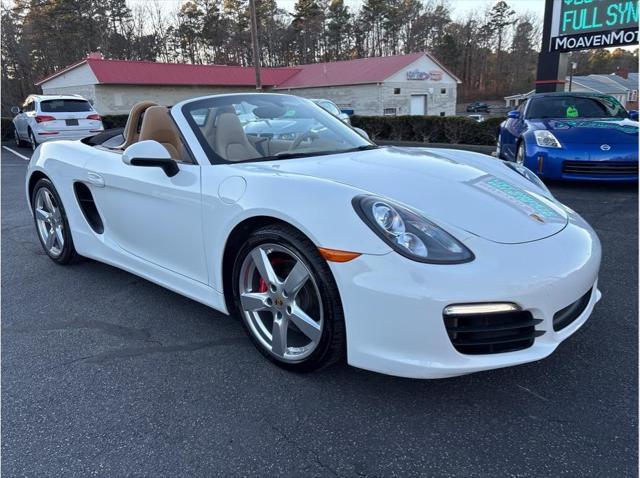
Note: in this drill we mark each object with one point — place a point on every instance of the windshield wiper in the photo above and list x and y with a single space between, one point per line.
293 154
288 155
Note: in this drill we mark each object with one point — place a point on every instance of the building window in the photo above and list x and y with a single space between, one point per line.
443 91
389 112
634 95
396 91
442 113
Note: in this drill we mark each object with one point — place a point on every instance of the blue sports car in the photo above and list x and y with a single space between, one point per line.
572 136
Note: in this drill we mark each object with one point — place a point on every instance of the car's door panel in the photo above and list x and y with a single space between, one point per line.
152 216
514 128
23 119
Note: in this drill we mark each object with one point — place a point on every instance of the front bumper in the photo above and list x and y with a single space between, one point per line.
585 162
394 306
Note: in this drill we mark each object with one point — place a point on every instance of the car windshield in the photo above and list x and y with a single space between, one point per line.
64 106
262 126
575 107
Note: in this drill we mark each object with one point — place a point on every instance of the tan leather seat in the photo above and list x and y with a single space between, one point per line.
130 132
158 126
209 128
231 142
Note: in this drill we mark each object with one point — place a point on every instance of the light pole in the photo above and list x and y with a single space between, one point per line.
256 46
572 67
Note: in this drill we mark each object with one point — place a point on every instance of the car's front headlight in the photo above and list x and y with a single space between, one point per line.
410 234
528 174
546 139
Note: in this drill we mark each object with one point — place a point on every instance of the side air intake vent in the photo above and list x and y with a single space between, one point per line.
490 330
566 316
88 207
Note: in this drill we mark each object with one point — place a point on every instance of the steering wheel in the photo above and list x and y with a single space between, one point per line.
301 137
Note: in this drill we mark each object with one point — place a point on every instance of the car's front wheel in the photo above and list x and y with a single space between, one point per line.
51 223
288 299
521 153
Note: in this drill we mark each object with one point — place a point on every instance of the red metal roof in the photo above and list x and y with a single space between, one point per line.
349 72
353 72
153 73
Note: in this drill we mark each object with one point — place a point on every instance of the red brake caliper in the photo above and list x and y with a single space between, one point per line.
262 285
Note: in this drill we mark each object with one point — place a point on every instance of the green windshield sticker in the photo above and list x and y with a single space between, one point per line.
572 112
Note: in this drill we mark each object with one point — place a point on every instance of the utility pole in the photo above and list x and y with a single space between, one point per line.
256 46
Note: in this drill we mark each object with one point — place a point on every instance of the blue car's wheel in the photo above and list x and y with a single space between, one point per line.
521 153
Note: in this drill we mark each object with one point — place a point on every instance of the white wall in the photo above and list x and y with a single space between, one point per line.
118 99
88 92
436 81
373 99
363 99
79 76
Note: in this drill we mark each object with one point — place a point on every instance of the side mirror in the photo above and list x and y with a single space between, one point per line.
16 110
344 117
513 114
150 154
633 114
362 133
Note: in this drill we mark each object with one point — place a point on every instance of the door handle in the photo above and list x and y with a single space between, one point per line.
95 179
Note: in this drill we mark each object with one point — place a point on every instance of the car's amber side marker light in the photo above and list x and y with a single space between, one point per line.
334 255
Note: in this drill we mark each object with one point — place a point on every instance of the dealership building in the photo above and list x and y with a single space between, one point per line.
413 84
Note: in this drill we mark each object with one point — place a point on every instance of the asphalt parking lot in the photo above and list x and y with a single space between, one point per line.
104 373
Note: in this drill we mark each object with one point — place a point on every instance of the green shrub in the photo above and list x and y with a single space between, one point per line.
6 128
114 121
429 129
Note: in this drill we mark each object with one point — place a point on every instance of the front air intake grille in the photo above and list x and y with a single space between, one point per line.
491 333
565 316
598 168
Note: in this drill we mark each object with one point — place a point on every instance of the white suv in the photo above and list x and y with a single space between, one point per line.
52 117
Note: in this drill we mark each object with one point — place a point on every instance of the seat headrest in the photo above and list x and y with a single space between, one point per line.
157 125
230 128
130 132
231 142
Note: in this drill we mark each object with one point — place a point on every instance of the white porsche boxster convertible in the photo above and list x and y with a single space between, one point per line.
411 262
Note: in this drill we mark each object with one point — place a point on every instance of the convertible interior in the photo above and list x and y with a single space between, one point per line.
231 134
147 121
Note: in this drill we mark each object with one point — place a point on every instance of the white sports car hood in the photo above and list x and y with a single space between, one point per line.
472 192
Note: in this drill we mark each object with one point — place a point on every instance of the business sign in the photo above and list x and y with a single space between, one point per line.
584 24
433 75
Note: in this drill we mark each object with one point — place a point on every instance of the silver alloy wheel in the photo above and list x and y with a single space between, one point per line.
281 302
49 221
520 154
32 139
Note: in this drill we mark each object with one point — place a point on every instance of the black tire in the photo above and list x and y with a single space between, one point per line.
68 253
32 140
332 345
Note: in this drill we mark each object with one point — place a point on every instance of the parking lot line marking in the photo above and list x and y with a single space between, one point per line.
17 154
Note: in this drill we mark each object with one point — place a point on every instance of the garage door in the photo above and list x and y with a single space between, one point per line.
418 104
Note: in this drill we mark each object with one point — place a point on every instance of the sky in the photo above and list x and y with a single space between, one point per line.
460 8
